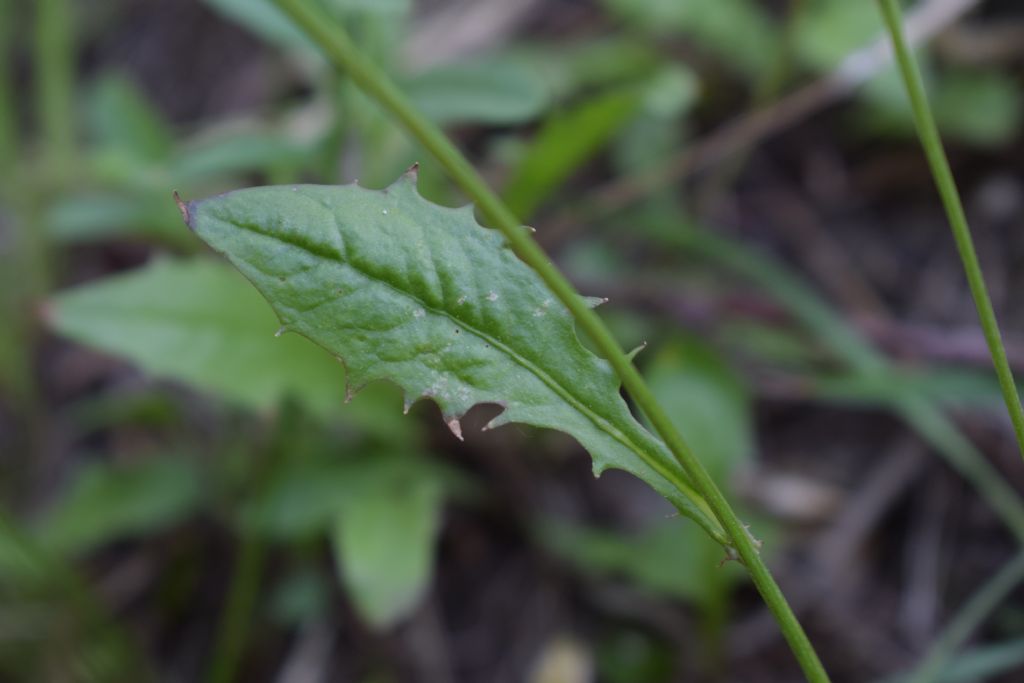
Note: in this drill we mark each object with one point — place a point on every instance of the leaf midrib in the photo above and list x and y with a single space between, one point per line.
577 403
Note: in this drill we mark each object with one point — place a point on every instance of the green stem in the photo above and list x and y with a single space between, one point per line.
8 119
942 434
243 593
345 56
54 64
248 573
916 409
971 615
934 151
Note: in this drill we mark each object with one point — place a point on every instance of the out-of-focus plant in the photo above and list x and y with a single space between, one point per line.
358 477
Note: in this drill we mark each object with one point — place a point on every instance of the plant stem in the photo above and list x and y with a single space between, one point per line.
345 56
54 64
970 616
250 557
8 119
243 592
916 409
936 154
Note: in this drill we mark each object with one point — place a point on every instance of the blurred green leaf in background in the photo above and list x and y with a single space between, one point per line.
200 322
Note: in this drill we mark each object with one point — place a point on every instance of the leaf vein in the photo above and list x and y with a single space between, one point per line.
580 405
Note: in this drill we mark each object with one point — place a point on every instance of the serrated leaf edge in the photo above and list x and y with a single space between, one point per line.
452 419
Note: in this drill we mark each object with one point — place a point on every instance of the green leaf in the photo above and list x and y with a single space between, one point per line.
740 32
300 597
88 217
659 130
707 401
631 654
199 322
974 107
107 502
20 561
263 19
421 295
122 118
302 498
496 90
396 7
565 142
147 407
781 347
964 390
829 30
236 151
306 493
673 560
383 539
671 92
381 511
981 663
978 107
594 64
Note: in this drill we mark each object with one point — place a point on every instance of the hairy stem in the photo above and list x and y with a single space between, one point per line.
345 56
936 154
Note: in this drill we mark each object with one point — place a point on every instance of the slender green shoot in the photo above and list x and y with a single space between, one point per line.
54 60
8 127
971 615
250 561
861 359
243 593
343 54
936 154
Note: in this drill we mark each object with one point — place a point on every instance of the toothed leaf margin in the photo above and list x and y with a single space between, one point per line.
401 289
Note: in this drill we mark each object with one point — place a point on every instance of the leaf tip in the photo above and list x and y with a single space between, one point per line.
413 172
633 354
186 214
351 388
499 419
456 427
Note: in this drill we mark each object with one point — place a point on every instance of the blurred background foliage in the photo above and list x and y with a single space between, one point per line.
188 496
